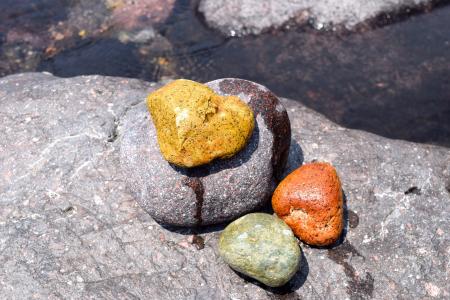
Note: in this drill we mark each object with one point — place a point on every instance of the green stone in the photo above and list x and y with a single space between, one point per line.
261 246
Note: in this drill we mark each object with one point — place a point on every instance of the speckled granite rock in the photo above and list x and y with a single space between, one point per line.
240 17
261 246
214 193
69 229
194 125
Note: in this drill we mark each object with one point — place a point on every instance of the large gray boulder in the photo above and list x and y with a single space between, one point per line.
240 17
70 229
220 191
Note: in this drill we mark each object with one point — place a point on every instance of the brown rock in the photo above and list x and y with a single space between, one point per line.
310 201
133 14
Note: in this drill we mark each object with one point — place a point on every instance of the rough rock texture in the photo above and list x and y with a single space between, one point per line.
69 229
240 17
214 193
310 201
261 246
194 125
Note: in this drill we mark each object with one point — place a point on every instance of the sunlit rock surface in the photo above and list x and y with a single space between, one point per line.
70 229
240 17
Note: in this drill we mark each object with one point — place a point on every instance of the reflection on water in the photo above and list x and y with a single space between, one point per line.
393 80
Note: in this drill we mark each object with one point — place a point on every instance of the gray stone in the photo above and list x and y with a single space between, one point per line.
261 246
220 191
69 229
241 17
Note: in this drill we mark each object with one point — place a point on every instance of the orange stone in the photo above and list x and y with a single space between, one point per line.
310 201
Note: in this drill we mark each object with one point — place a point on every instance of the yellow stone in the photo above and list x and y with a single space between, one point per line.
194 125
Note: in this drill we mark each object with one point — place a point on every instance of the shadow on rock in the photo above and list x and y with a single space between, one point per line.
194 230
295 158
360 285
351 221
346 223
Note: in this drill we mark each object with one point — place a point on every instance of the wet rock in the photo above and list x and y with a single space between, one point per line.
143 36
194 125
261 246
310 201
35 32
70 229
132 14
213 193
236 17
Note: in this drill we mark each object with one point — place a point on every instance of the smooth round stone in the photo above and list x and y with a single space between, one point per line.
217 192
261 246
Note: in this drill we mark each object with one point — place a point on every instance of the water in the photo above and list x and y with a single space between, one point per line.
391 80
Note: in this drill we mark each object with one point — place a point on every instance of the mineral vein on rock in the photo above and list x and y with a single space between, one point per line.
196 185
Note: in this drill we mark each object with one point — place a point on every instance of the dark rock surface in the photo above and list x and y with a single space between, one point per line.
69 229
33 32
213 193
240 17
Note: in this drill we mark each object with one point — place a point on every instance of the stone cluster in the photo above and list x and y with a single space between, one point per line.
206 141
223 189
310 202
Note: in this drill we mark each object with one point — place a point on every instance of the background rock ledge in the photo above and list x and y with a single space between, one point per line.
241 17
69 229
